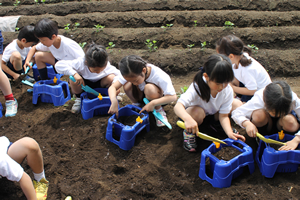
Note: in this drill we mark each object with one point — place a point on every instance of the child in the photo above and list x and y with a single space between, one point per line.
250 76
10 102
15 53
12 155
93 70
271 109
52 47
209 94
141 79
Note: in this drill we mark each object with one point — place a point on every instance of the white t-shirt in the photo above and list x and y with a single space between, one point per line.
68 49
222 103
253 76
12 47
9 168
244 112
71 67
158 77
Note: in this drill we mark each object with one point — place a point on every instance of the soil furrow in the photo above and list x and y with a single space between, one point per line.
138 19
58 8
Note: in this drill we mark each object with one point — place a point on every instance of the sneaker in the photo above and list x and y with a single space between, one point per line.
189 141
11 108
76 106
163 114
30 79
119 98
41 188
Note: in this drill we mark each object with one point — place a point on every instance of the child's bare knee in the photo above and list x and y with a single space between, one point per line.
258 117
16 56
290 124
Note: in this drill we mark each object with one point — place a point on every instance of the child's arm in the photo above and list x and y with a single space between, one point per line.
29 57
112 92
250 128
242 90
225 122
190 124
9 71
291 145
157 102
27 187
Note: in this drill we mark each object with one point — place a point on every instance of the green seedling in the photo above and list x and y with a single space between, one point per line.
36 1
76 25
82 45
203 45
228 25
182 90
110 45
74 97
190 46
253 48
98 28
167 26
17 29
67 27
17 3
195 23
151 45
43 1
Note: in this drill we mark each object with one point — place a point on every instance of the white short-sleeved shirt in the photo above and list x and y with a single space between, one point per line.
68 49
253 76
9 168
158 77
71 67
244 112
222 103
12 47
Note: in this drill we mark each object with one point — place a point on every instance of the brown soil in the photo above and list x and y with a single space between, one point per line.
127 120
80 162
227 153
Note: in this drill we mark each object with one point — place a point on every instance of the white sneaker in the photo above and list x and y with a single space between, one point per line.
163 114
11 108
76 106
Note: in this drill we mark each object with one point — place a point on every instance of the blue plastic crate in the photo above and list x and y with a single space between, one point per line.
57 94
91 105
271 161
126 134
50 71
1 108
225 171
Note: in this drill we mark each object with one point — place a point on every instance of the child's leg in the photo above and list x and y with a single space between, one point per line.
288 123
75 88
41 58
235 104
197 113
4 82
107 81
153 92
261 118
130 93
14 67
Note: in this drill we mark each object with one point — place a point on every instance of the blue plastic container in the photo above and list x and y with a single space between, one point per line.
50 71
1 108
271 161
224 171
126 134
91 105
57 94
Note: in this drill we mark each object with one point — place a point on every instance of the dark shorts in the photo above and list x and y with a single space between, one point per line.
11 67
1 43
9 145
92 84
244 98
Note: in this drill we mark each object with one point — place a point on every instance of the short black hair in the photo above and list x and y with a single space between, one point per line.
27 32
96 56
45 28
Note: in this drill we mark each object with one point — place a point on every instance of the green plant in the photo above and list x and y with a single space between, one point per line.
167 26
17 29
76 25
17 3
67 27
228 25
36 1
98 28
110 45
203 45
82 45
151 45
253 48
195 23
43 1
183 90
190 46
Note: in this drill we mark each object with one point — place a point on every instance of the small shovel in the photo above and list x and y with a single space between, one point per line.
201 135
88 89
270 141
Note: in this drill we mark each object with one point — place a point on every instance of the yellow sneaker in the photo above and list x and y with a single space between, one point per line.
41 188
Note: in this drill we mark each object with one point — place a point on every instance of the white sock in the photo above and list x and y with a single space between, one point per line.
39 176
160 109
136 104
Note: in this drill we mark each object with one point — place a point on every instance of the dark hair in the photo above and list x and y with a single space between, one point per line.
130 66
45 28
96 56
219 69
278 97
27 32
231 44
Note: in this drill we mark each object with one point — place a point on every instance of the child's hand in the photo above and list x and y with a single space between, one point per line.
191 126
250 128
291 145
79 79
148 107
113 109
236 136
27 63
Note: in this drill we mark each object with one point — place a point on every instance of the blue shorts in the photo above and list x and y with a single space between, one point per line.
244 98
11 67
9 145
1 43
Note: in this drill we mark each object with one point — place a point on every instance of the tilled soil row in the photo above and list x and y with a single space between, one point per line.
137 19
56 7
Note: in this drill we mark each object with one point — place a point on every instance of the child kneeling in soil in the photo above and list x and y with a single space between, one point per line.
273 108
250 75
93 70
52 47
15 53
209 95
141 79
12 155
